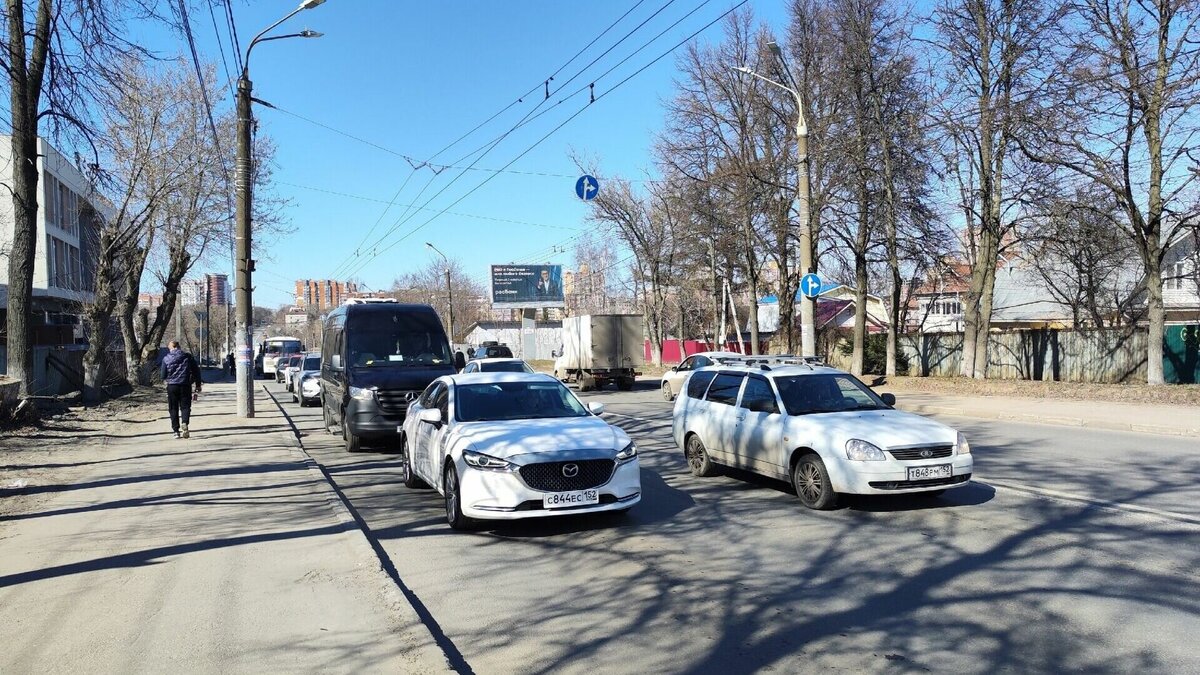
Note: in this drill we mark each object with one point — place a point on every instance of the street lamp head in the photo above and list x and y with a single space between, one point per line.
306 33
774 47
309 4
430 245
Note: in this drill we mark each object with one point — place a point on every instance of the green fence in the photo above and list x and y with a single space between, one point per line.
1181 354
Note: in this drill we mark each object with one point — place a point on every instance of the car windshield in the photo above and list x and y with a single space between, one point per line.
515 401
505 367
312 363
808 394
386 347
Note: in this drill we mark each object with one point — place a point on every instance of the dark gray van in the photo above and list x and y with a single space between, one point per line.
376 357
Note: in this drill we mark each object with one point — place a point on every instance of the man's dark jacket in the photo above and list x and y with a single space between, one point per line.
178 367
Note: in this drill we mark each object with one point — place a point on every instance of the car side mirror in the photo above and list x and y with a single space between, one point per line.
431 416
889 399
335 362
595 408
460 361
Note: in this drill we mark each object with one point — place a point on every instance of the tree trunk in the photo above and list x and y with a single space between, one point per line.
1155 311
25 72
984 324
99 316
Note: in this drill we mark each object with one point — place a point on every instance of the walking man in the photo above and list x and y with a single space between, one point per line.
180 371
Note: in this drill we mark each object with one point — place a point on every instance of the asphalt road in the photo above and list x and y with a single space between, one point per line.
1074 550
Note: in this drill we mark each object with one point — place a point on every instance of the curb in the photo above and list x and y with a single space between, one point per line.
396 594
985 413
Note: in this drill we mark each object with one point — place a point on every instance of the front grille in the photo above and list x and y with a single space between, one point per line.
395 401
915 453
929 482
548 476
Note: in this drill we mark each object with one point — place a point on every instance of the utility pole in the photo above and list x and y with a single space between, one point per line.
244 180
808 330
449 291
245 265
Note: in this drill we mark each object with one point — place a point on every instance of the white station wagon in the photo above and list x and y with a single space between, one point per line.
818 427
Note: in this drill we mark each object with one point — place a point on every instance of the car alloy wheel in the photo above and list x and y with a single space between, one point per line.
410 478
666 392
454 514
811 481
699 463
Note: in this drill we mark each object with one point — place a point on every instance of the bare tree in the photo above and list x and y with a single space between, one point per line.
1124 119
995 52
58 58
427 284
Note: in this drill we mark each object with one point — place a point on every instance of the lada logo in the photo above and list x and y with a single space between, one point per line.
570 470
927 453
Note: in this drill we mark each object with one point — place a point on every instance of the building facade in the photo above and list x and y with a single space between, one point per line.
68 221
323 294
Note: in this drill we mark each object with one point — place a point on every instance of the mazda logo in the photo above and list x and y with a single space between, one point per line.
927 453
570 470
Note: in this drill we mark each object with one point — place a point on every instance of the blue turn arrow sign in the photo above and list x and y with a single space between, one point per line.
587 187
810 285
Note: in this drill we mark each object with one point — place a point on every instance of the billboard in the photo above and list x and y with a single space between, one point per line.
527 286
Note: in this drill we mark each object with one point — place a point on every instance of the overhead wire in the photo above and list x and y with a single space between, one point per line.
489 146
400 222
377 253
221 48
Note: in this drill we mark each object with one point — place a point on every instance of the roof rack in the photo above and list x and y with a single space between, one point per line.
764 362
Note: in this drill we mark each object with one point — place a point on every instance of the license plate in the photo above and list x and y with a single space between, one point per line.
928 472
559 500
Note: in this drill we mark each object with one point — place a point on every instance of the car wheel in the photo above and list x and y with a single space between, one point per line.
811 481
410 478
353 441
699 463
666 392
454 514
296 400
625 383
326 417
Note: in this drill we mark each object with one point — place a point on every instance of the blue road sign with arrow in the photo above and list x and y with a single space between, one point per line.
810 285
587 187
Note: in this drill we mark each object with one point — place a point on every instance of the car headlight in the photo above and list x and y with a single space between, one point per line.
362 394
961 446
863 451
627 453
487 462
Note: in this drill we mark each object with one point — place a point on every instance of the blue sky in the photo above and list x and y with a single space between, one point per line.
414 76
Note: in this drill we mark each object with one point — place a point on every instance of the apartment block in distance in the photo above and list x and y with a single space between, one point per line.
323 294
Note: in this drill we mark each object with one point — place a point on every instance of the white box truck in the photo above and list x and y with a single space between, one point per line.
601 348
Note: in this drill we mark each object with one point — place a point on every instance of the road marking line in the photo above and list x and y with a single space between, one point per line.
1120 507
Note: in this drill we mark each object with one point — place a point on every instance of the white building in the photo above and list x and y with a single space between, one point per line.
68 218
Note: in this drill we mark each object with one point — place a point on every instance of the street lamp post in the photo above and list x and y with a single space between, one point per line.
449 290
808 332
243 184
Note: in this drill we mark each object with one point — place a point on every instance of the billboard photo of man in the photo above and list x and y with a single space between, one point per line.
547 286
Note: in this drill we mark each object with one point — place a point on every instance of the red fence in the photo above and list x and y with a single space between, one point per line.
670 351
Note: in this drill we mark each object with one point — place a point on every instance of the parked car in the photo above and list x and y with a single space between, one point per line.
504 446
376 357
673 379
819 428
492 350
306 380
289 368
497 366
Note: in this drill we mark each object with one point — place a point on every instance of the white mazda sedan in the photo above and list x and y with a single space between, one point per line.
819 428
503 446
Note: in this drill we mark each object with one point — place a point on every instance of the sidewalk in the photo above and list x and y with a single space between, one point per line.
1172 420
226 552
